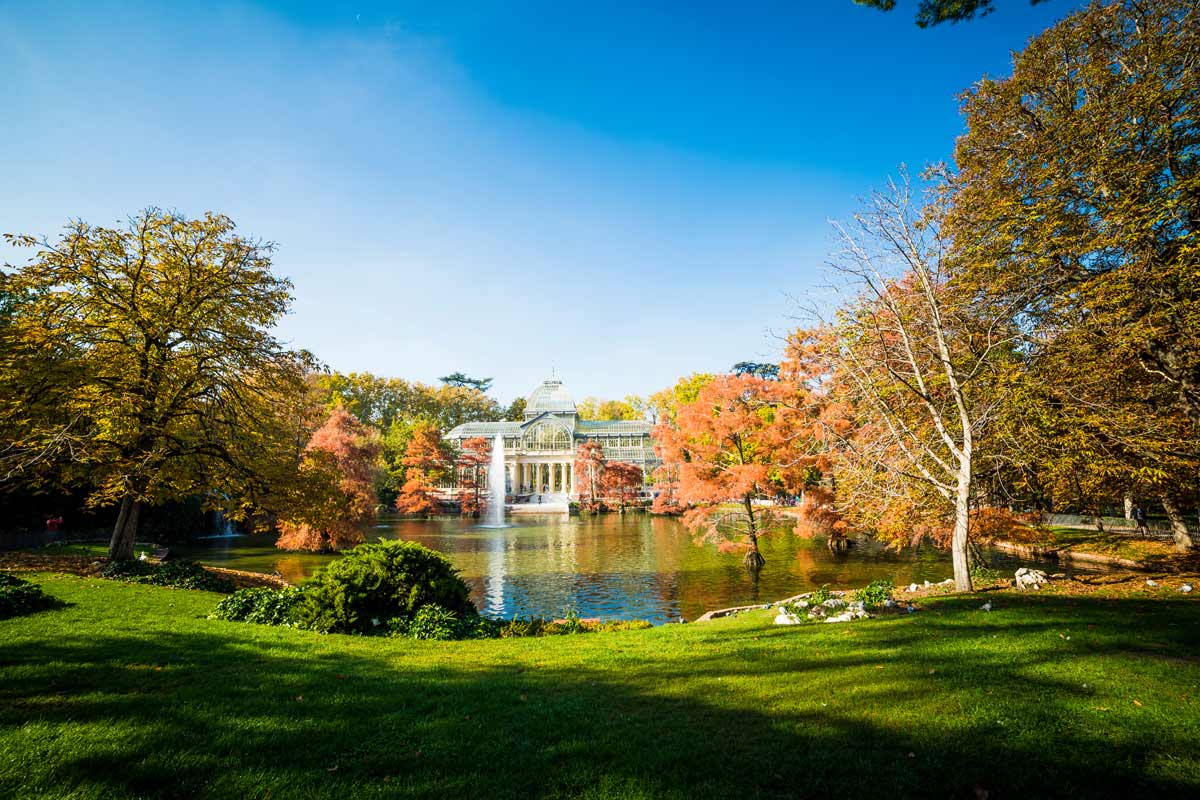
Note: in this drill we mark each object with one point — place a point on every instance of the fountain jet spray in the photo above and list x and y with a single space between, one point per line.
495 516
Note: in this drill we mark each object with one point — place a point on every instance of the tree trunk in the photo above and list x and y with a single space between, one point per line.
120 547
1179 529
754 560
958 545
1128 507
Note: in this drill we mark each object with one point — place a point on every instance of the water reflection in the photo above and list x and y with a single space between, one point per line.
612 566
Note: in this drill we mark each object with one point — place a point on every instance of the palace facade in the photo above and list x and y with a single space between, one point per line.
539 451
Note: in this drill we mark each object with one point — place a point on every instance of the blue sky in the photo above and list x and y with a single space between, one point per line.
625 192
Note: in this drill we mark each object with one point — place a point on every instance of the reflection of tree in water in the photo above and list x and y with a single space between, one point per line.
292 569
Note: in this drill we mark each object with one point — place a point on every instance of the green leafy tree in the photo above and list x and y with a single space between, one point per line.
768 371
935 12
163 374
460 379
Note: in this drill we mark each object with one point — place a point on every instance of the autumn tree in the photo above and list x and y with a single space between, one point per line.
335 496
471 466
516 410
622 482
1077 201
588 474
666 491
811 421
426 459
921 370
161 370
630 408
725 445
662 406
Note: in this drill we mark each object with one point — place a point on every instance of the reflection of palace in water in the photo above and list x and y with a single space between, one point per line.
539 451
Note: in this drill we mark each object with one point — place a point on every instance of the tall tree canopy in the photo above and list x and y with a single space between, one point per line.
935 12
1079 184
461 379
1077 202
921 370
768 371
145 355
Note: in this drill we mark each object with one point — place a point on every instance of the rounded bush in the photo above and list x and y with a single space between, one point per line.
374 584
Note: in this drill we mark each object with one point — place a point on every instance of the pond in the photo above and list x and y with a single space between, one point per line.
612 566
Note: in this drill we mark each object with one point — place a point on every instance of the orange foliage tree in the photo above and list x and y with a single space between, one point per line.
622 482
426 459
666 490
336 493
589 474
472 464
811 421
725 445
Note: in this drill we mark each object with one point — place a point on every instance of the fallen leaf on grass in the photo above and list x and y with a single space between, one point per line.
1137 703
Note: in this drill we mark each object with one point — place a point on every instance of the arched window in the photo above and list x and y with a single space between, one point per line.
546 437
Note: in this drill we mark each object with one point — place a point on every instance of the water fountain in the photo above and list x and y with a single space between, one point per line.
496 485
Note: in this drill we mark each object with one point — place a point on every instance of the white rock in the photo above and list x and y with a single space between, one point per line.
1027 579
927 584
889 603
1187 587
784 618
986 606
1151 582
948 582
834 602
912 587
843 617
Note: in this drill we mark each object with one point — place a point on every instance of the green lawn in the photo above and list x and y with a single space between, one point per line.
131 692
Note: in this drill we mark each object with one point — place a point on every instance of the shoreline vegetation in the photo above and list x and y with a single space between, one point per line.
87 559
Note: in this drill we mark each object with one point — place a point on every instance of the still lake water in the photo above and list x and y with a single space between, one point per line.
611 566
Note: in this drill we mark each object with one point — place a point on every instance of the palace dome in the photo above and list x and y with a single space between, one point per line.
550 396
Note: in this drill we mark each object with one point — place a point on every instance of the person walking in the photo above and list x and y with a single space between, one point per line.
1139 519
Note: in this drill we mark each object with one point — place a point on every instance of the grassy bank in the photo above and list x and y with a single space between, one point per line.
1103 543
131 692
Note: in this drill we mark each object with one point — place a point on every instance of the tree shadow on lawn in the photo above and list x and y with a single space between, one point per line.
189 714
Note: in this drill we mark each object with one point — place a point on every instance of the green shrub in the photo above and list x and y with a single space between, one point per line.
372 585
19 597
517 627
571 623
177 574
875 593
479 627
131 570
820 595
262 606
188 575
434 622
